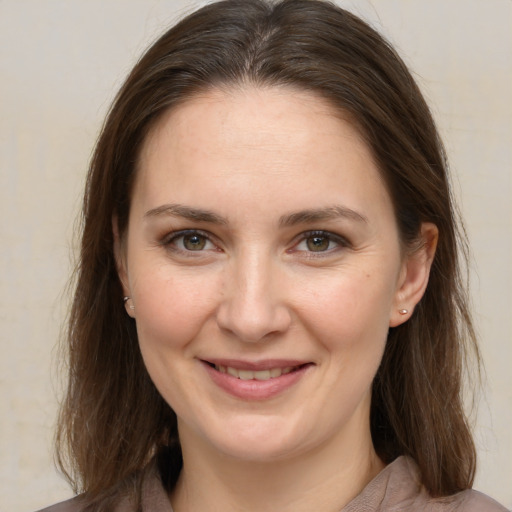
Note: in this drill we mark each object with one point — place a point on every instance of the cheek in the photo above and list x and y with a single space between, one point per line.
171 307
171 311
350 307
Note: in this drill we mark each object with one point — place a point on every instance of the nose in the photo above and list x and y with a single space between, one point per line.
253 308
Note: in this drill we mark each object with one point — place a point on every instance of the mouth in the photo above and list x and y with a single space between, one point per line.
261 380
261 375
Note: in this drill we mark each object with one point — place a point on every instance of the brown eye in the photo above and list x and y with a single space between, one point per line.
317 243
194 242
186 242
320 243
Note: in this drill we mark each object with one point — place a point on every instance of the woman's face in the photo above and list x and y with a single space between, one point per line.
264 264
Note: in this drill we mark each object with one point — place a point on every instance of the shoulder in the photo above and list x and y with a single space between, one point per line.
154 497
474 501
78 504
419 499
398 487
72 505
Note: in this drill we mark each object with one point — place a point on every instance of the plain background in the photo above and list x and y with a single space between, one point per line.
61 62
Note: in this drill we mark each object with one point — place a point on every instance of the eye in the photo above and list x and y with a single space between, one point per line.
320 241
189 241
193 242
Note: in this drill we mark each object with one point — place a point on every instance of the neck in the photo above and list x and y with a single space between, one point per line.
323 479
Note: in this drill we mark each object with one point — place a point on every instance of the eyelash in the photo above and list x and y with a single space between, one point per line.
170 242
327 235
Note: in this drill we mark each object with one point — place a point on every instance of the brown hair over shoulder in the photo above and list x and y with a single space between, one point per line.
113 420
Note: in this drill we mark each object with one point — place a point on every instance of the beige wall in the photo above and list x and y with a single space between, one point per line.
60 63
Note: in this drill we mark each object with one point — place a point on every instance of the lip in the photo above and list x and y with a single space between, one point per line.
265 364
255 389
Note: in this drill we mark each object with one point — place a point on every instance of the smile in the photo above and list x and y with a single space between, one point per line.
271 373
256 381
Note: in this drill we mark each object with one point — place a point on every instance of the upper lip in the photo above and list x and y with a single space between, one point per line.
265 364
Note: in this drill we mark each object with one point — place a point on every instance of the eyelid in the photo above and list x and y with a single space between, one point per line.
341 241
169 238
338 239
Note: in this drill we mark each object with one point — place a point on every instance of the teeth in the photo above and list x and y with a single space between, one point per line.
245 374
275 372
256 375
262 375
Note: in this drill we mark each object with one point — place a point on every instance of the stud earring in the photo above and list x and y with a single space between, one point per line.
403 311
126 299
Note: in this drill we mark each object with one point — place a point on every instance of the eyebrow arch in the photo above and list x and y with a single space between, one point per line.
187 212
321 214
291 219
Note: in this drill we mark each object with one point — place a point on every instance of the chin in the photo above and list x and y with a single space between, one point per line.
255 438
260 451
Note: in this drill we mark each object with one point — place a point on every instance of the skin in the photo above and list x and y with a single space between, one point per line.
253 283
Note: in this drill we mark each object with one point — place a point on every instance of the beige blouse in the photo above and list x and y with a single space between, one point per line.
396 488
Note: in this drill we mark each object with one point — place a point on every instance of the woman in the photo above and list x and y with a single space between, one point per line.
268 311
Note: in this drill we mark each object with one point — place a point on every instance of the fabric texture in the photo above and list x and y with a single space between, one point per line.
397 488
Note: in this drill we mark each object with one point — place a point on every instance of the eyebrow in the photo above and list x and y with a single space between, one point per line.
292 219
321 214
187 212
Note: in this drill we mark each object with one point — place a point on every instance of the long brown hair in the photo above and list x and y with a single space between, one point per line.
113 421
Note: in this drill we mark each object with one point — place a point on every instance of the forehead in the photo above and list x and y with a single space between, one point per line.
240 140
250 117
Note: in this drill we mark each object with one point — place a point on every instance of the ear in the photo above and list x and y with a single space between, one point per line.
414 275
120 258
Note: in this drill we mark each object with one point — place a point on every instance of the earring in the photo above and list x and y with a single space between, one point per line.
403 311
126 299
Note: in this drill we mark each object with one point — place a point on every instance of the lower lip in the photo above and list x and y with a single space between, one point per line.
255 389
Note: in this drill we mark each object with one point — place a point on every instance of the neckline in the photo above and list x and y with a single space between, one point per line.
368 499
